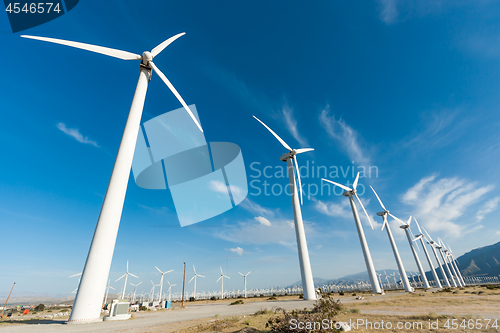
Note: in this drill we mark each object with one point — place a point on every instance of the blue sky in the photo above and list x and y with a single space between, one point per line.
409 88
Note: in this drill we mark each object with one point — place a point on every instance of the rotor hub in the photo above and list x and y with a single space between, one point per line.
146 58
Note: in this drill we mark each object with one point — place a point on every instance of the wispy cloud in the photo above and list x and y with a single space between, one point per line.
345 136
388 11
440 202
488 207
255 208
341 209
75 134
291 124
263 221
238 250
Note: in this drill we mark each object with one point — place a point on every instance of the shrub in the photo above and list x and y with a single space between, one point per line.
301 295
142 308
272 298
247 322
353 294
213 298
262 311
341 293
191 299
40 307
237 302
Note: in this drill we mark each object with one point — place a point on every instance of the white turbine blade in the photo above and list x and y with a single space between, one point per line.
337 184
383 224
159 270
159 48
397 219
367 216
194 269
298 176
127 266
111 287
418 225
219 278
240 274
168 271
200 275
249 272
221 273
173 285
409 221
139 283
303 150
191 279
168 283
413 237
380 201
121 277
226 276
75 275
133 275
275 135
355 184
124 55
174 91
152 283
428 235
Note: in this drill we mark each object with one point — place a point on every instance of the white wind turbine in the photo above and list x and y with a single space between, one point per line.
455 262
95 273
125 282
222 276
421 237
170 290
433 245
305 264
409 234
245 281
443 256
350 192
402 272
107 291
450 262
79 279
135 289
161 280
194 277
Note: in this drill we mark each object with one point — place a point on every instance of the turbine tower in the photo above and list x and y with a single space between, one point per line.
447 257
125 283
305 264
245 281
194 277
79 279
433 246
135 289
222 276
421 237
107 291
455 262
440 248
409 234
402 272
161 280
87 306
170 289
350 192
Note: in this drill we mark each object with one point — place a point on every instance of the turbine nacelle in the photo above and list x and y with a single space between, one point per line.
147 57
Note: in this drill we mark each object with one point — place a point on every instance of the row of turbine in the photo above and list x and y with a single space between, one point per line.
305 267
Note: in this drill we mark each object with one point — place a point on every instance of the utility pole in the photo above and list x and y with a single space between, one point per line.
183 284
7 299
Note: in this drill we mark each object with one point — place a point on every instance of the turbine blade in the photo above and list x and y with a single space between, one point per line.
112 288
168 271
191 279
200 275
367 216
133 275
298 176
380 201
219 279
127 266
337 184
159 270
303 150
174 91
139 283
413 237
221 270
124 55
249 272
283 143
227 277
194 269
355 184
397 219
428 235
75 275
418 225
383 224
121 277
159 48
409 221
240 274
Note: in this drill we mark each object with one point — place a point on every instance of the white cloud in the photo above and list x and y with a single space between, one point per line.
291 125
345 136
75 134
220 187
488 207
255 208
238 250
263 221
342 209
438 203
388 11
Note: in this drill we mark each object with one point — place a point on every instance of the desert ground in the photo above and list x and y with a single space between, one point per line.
467 309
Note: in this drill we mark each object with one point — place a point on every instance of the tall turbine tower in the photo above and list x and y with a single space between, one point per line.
421 237
194 277
441 251
107 291
87 306
350 192
135 289
447 257
404 277
443 273
221 278
305 264
245 281
406 227
455 262
161 280
170 290
125 282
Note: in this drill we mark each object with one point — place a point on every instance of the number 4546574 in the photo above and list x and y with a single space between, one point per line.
33 8
471 324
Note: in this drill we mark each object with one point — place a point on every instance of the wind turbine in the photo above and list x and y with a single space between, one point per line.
245 281
447 257
222 276
443 256
169 289
161 280
421 237
135 288
305 264
433 245
107 291
194 277
125 282
455 262
74 291
409 234
87 306
402 272
350 192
